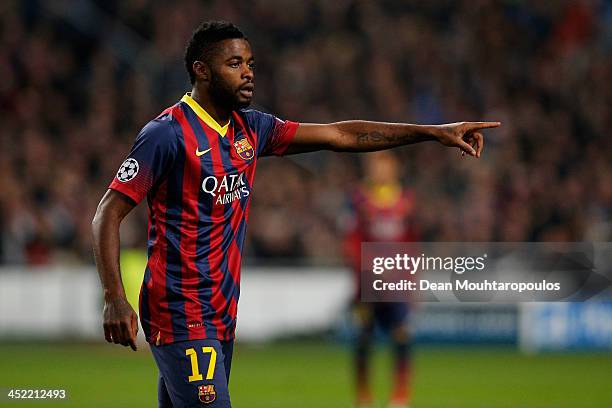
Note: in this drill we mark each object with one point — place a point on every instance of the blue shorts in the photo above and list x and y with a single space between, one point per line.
386 315
194 373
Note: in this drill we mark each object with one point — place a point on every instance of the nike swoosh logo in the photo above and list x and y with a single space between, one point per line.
200 153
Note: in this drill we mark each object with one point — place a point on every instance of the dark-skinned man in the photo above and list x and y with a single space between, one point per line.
195 163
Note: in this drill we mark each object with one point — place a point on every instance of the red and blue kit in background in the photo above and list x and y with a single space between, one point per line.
378 213
381 212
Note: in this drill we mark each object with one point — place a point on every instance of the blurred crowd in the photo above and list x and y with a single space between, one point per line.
78 79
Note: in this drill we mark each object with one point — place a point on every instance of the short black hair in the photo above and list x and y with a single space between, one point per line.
203 40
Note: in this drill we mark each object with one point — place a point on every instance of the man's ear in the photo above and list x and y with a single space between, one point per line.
201 70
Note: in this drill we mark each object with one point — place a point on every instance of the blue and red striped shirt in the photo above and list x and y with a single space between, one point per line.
197 176
378 213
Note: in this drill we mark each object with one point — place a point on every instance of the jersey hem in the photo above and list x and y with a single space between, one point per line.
153 340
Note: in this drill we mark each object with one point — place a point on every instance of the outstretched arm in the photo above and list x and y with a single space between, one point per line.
120 321
364 136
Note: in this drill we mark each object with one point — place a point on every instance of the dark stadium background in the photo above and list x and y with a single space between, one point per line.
79 78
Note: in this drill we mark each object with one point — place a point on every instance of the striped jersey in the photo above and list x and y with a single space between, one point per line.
378 213
382 213
198 177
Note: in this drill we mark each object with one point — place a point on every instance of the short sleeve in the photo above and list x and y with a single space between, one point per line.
149 160
274 134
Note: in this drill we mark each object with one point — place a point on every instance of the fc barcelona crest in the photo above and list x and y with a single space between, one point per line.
244 149
207 393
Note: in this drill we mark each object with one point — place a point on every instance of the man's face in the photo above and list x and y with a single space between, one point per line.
231 82
382 168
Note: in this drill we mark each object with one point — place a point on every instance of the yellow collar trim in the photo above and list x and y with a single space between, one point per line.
385 195
202 114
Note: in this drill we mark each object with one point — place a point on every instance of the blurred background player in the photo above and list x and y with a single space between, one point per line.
382 210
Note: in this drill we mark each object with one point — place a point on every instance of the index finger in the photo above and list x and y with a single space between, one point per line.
107 333
482 125
132 343
131 338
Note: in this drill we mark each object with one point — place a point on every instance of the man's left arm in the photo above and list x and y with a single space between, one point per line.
364 136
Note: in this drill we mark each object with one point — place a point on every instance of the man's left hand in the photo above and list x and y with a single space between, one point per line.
465 135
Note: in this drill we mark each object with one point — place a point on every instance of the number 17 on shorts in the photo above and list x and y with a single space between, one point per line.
194 373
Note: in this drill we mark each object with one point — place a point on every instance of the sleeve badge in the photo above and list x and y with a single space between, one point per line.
128 170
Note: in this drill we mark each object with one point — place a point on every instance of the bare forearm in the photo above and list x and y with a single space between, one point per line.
105 232
120 320
364 136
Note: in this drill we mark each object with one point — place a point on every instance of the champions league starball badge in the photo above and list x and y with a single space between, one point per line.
128 170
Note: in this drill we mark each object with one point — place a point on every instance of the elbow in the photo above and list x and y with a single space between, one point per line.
339 145
346 145
341 141
109 213
97 219
103 214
